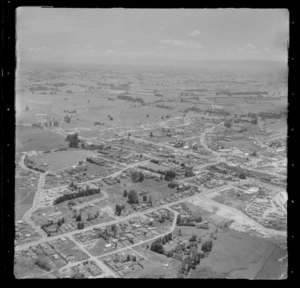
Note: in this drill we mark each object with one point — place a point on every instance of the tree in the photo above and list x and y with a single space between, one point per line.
207 246
73 140
78 218
137 176
113 228
170 253
133 197
193 238
119 209
178 221
170 175
43 264
80 225
157 246
78 276
125 193
242 175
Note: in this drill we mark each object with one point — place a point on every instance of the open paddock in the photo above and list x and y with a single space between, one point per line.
236 255
28 139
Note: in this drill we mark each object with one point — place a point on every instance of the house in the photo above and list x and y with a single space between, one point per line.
55 256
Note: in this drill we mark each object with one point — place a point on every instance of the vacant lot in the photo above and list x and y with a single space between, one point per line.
237 255
156 265
28 139
232 197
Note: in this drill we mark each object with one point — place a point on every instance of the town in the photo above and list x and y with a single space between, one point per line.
174 167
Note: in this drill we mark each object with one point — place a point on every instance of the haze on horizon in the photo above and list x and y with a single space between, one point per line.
151 36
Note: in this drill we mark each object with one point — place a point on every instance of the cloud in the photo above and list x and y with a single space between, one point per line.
185 44
251 49
194 33
266 49
250 46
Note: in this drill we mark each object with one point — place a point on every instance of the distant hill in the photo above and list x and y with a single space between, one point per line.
236 64
247 64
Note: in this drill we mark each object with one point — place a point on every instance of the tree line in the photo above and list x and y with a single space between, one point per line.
82 193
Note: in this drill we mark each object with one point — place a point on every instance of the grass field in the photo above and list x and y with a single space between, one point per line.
25 267
28 138
157 190
61 159
238 255
188 231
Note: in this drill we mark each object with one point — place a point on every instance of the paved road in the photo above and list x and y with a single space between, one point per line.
144 241
136 214
140 213
41 182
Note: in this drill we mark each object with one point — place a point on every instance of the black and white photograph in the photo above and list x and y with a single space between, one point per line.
151 143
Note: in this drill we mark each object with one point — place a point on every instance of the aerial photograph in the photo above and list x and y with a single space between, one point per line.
151 143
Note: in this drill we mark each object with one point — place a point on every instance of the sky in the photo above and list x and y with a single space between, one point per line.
150 35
